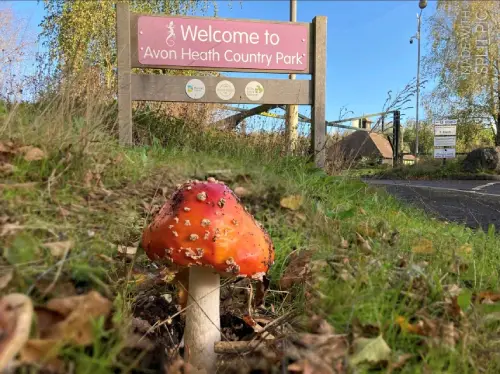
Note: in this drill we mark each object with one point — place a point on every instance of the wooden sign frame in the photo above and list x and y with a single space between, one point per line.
148 87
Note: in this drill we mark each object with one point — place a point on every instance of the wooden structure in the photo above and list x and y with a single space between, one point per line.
131 49
365 142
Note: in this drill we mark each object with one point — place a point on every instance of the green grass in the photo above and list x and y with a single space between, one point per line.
350 284
426 169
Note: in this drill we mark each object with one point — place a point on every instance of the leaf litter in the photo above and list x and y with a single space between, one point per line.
157 319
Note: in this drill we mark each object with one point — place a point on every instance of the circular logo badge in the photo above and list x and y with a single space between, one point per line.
195 89
225 90
254 90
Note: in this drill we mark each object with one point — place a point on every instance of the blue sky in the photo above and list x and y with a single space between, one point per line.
368 50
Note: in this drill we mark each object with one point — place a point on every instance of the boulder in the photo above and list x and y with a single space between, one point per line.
487 159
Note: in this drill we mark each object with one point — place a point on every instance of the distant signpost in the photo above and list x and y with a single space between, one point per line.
445 138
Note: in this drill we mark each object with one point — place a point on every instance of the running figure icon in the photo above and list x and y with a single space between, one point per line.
171 34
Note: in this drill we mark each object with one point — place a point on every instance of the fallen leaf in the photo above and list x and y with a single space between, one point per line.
10 229
16 312
297 269
488 297
6 278
59 249
33 153
63 212
400 362
87 179
319 325
127 251
105 258
449 335
424 246
372 351
364 330
43 353
293 202
241 191
325 352
6 168
304 367
408 327
78 312
363 244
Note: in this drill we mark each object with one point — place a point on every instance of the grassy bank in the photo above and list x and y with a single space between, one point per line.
401 292
428 169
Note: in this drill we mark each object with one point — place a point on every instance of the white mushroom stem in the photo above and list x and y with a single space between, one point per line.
202 329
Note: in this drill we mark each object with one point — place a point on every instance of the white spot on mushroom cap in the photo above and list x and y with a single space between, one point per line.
186 209
202 196
233 267
187 222
193 237
194 255
205 222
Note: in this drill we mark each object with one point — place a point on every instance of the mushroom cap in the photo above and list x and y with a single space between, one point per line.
204 224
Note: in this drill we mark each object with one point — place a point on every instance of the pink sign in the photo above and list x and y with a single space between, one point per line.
212 43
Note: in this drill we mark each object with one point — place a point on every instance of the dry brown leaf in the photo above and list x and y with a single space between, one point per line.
104 258
363 244
241 191
6 168
320 326
8 229
449 334
324 351
400 362
63 212
297 270
127 251
43 353
304 367
293 202
33 153
16 312
77 313
423 246
488 297
178 366
59 249
5 278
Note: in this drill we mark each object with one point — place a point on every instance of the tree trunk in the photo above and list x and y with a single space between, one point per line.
497 135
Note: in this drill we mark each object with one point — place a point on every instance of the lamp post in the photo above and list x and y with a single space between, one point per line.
421 4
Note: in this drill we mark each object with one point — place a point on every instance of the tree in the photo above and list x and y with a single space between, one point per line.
80 34
15 50
464 59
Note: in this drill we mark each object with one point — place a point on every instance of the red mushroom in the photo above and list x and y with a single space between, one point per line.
203 226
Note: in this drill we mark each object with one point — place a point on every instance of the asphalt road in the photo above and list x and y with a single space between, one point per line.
470 202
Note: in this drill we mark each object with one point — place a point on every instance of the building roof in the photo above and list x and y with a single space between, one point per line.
364 144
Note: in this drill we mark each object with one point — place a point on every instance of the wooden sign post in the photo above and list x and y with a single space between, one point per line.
215 44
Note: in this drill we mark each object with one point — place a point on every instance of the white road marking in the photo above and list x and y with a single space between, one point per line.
484 186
